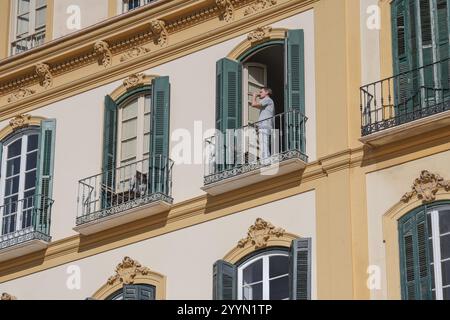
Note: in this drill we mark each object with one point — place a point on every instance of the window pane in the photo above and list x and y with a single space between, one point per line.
147 123
445 273
40 17
447 293
30 179
40 3
444 221
146 143
279 288
24 6
28 196
253 273
445 247
129 129
256 75
31 160
254 292
32 142
148 102
13 167
23 23
278 265
129 149
14 149
12 186
130 111
10 205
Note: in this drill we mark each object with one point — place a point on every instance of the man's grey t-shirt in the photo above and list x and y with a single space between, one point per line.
267 112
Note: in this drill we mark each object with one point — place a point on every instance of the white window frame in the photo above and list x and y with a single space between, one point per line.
266 276
436 240
21 191
124 4
245 91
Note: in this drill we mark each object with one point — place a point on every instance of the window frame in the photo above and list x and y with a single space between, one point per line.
245 91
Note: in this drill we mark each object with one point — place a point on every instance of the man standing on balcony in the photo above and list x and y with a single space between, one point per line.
265 121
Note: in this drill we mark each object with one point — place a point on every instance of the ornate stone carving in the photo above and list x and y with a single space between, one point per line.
44 74
134 81
7 296
159 31
426 186
134 53
127 270
20 94
259 34
101 49
226 9
259 5
19 121
259 233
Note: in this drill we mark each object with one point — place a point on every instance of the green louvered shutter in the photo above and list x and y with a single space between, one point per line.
44 176
415 257
295 90
443 23
159 136
224 281
228 108
300 269
1 154
138 292
426 9
109 150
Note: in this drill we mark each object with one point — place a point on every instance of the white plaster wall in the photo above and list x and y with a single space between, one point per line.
91 12
384 189
186 256
79 133
370 44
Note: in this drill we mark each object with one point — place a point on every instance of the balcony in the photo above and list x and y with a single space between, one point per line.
240 157
28 42
408 104
125 194
25 226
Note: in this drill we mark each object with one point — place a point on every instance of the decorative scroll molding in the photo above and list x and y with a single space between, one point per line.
101 49
133 81
426 186
259 34
44 74
226 9
126 272
20 121
259 5
160 33
6 296
259 234
134 53
20 94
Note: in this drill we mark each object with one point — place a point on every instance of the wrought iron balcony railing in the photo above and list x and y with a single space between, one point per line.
28 42
255 146
24 220
123 188
405 97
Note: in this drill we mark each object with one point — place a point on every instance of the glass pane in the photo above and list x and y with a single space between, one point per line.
128 149
147 123
29 199
23 23
446 293
444 221
129 129
445 247
253 273
445 273
10 205
254 292
12 186
24 6
256 75
430 249
13 167
40 17
148 102
146 143
30 179
14 149
279 288
278 265
130 111
31 161
32 142
40 3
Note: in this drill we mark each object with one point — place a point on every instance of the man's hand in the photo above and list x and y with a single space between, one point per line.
255 104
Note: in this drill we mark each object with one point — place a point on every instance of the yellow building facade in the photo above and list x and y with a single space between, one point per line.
127 171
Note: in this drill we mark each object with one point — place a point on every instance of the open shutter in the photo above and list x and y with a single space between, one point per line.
300 269
415 257
44 177
159 136
443 22
1 154
109 150
224 281
138 292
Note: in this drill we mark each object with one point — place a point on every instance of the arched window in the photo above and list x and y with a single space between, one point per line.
134 292
425 252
